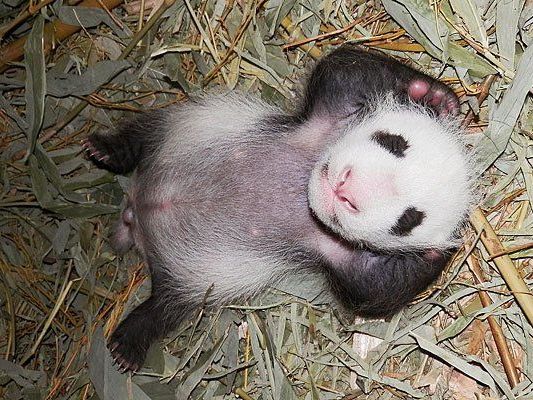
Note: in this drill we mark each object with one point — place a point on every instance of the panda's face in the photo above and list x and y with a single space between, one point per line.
399 179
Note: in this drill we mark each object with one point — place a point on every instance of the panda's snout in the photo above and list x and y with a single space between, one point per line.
356 191
343 193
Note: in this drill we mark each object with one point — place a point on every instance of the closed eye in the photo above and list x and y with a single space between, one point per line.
395 144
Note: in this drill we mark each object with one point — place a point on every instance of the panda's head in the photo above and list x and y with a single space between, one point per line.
399 179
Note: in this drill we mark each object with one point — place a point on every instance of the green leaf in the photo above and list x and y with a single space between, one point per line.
39 183
507 15
467 10
196 373
175 48
60 239
275 11
35 82
504 117
435 29
23 377
62 85
418 19
89 17
89 180
453 360
86 210
462 57
108 382
51 171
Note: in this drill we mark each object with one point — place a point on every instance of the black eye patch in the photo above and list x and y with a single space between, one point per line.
395 144
409 220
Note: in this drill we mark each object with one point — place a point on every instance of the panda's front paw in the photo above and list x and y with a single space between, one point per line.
435 95
97 150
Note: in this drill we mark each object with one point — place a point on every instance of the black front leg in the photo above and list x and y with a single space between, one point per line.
122 151
380 284
350 79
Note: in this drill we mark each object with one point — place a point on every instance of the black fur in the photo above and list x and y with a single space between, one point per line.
149 321
380 284
395 144
409 220
349 79
128 146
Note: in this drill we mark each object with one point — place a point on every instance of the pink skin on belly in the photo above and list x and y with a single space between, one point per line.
161 206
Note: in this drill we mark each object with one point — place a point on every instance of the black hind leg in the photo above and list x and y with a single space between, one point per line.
153 319
121 152
132 338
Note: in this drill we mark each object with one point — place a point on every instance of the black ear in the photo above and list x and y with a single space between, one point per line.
378 284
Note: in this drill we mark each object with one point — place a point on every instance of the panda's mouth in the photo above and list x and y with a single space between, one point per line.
349 204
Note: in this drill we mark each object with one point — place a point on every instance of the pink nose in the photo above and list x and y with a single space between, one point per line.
343 192
354 192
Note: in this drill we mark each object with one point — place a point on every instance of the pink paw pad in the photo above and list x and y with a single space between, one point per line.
435 95
417 90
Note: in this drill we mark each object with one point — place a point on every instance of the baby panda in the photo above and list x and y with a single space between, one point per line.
364 184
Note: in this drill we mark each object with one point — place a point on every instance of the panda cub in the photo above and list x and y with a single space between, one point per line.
364 184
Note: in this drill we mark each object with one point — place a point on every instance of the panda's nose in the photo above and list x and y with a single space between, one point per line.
356 190
343 192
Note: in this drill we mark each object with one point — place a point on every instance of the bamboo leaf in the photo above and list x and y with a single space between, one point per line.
86 210
35 82
88 17
508 13
467 10
39 183
196 374
62 85
108 382
451 359
419 20
496 137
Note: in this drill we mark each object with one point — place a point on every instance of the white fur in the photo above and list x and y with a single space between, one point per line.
212 118
225 271
433 176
